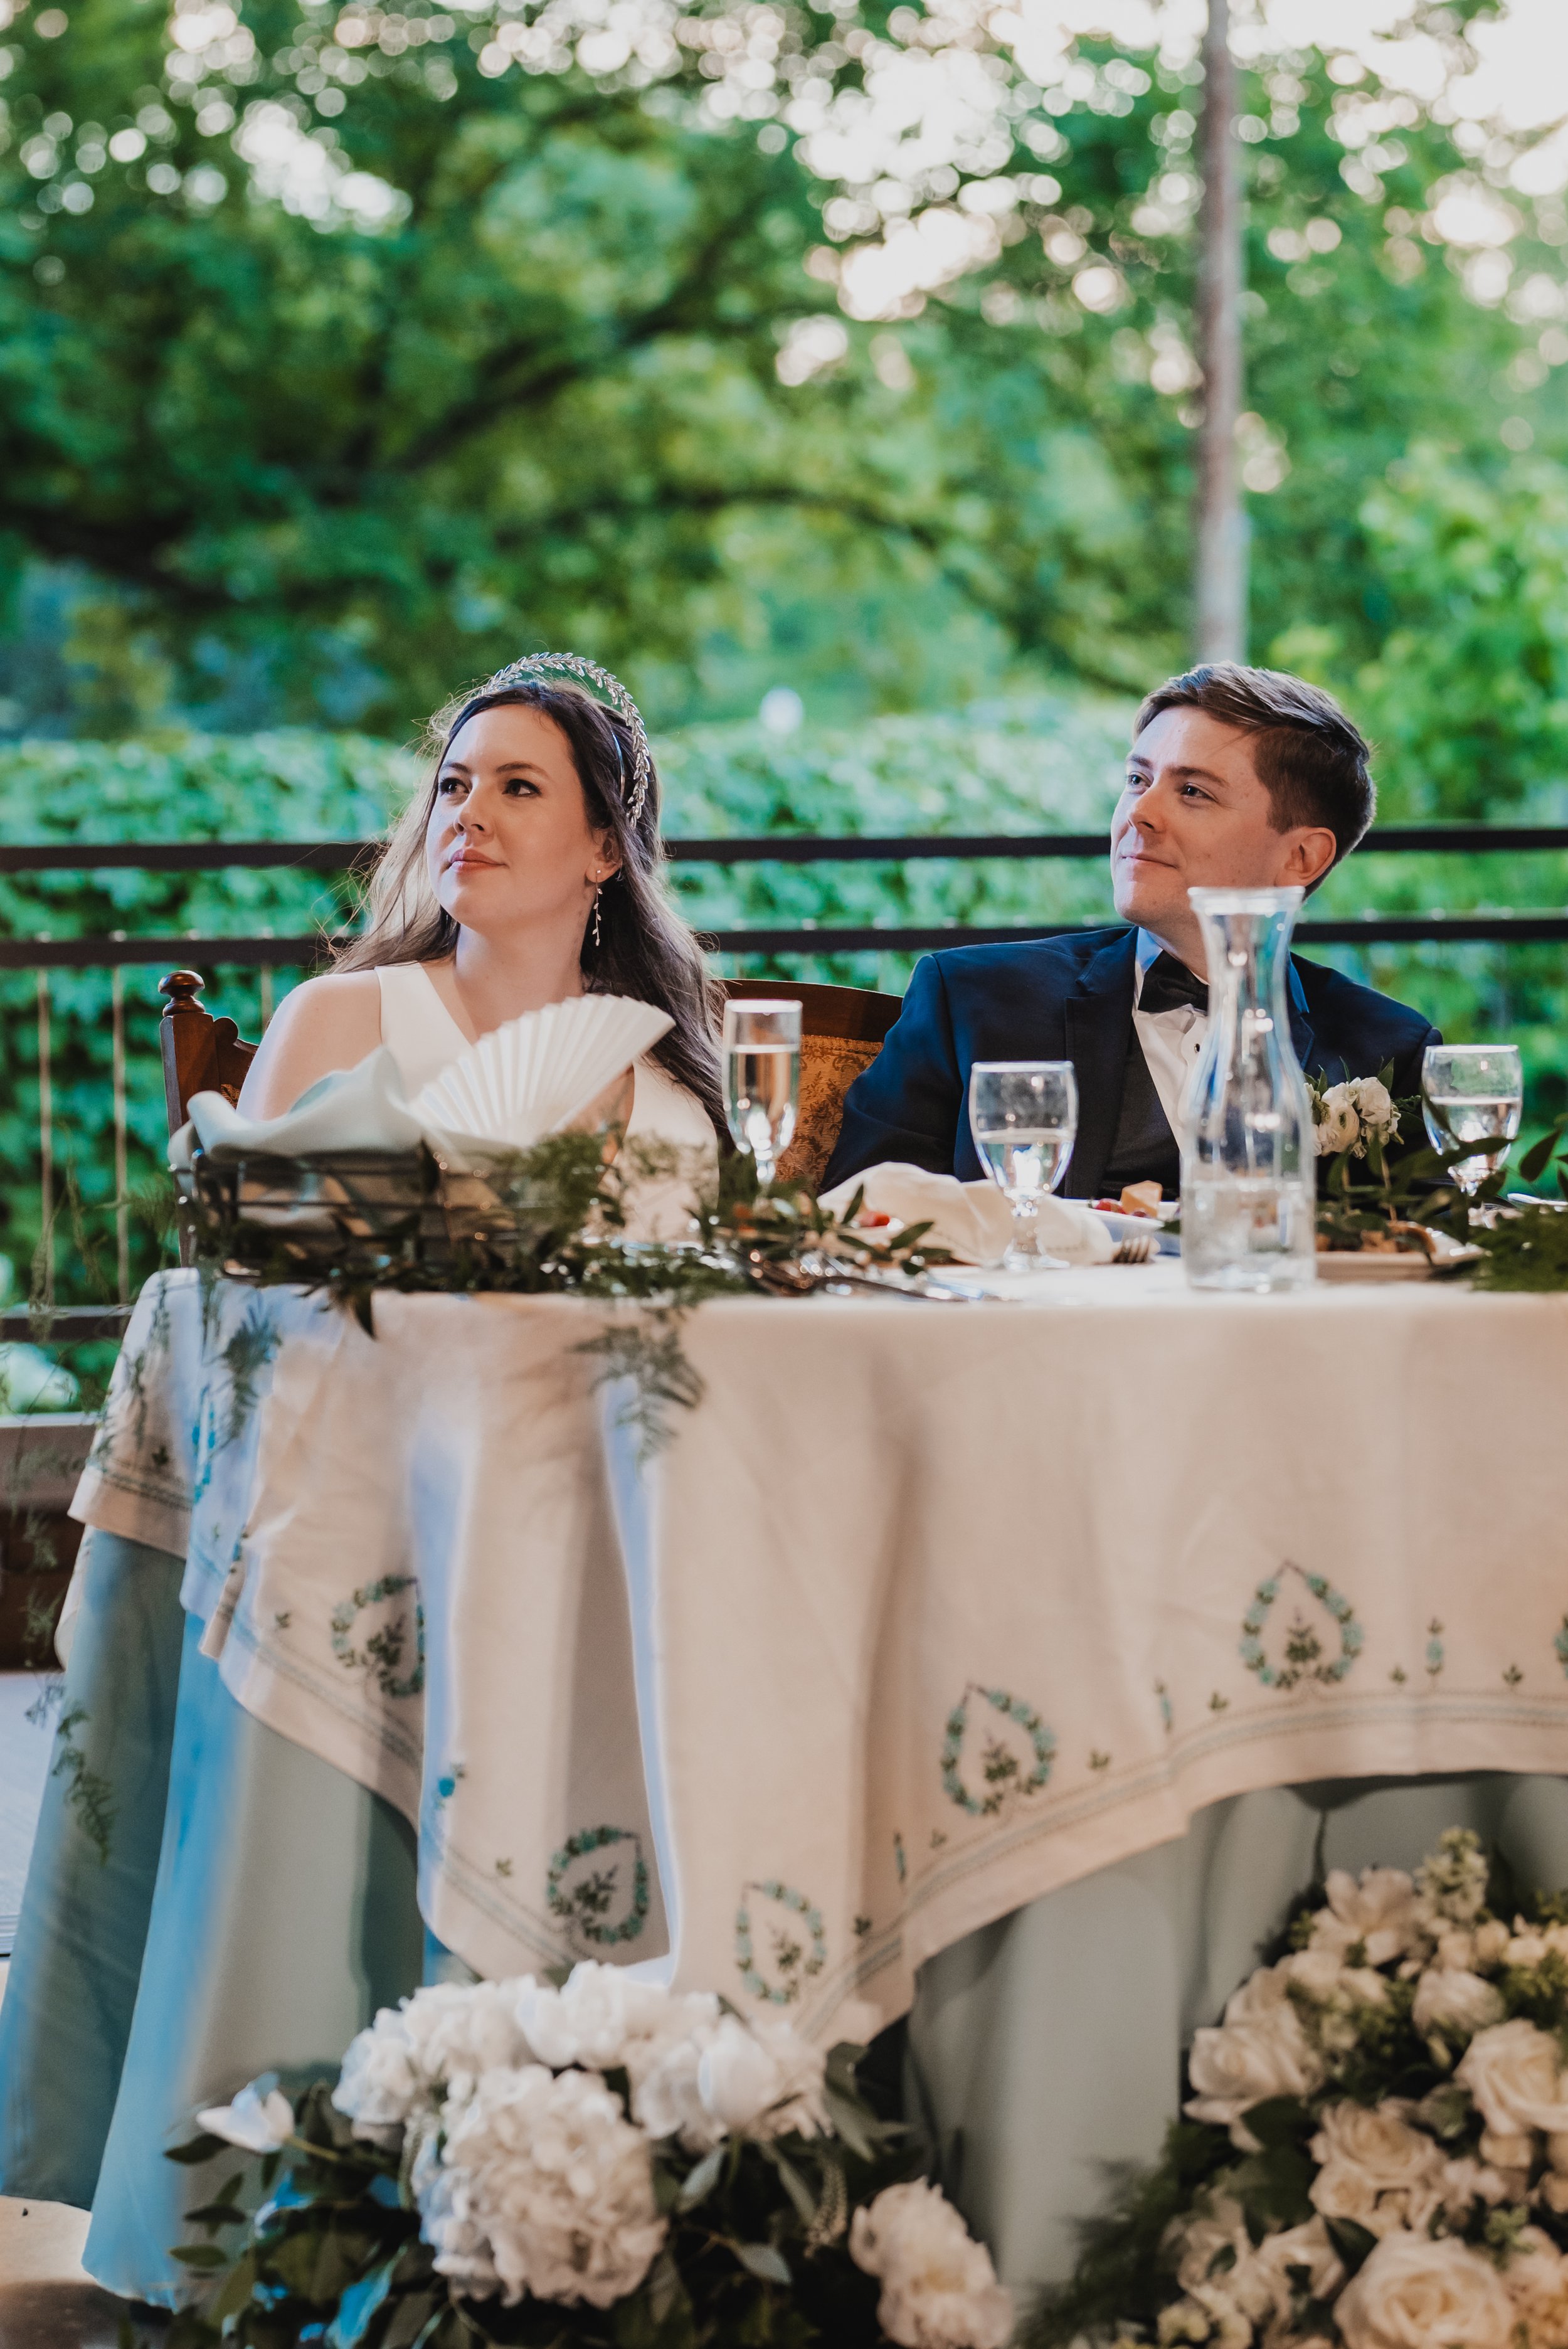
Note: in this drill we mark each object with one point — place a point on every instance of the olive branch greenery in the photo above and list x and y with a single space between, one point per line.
555 1219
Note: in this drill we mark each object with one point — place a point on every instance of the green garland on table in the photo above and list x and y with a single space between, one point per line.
1375 2146
593 2164
551 1220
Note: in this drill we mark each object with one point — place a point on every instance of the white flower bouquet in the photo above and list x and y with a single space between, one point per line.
1374 2151
603 2165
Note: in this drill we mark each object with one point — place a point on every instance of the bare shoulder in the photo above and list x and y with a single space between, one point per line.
324 1024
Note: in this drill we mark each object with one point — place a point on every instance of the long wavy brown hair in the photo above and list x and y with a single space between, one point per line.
646 948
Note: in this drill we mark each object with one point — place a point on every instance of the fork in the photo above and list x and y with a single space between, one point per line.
1138 1247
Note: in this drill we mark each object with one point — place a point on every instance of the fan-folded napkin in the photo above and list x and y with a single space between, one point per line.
972 1220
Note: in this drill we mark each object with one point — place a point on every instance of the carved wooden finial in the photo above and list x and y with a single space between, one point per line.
181 987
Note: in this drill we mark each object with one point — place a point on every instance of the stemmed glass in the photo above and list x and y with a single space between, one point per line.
1023 1115
1473 1092
762 1077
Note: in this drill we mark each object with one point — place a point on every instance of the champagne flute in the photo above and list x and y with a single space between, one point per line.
1473 1092
1023 1115
762 1077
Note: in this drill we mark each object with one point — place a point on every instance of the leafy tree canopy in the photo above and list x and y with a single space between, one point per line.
346 351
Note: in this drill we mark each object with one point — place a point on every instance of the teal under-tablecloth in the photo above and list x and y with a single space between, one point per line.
255 1907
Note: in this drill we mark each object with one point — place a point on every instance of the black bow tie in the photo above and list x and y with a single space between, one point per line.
1167 984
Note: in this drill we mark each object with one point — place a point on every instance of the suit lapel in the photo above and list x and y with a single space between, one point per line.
1301 1035
1098 1020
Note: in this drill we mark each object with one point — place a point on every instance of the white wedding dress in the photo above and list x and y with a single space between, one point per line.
423 1039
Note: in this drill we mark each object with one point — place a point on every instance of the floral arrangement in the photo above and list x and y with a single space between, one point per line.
601 2165
1360 1116
1374 2151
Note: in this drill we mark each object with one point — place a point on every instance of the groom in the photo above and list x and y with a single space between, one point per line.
1238 778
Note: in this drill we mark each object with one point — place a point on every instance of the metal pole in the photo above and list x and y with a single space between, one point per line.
1221 585
46 1142
121 1173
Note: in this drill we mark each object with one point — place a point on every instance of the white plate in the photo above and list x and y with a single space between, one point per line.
1368 1264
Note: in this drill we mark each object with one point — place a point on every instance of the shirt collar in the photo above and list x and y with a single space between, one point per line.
1148 946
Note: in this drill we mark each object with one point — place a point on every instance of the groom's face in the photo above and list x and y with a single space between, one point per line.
1195 815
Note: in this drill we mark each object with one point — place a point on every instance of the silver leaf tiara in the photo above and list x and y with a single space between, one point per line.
574 665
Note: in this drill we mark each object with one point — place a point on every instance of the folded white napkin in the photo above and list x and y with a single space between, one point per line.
360 1108
972 1220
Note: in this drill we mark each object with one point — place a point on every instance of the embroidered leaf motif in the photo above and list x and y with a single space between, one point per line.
584 1890
785 1948
1320 1619
382 1655
1010 1752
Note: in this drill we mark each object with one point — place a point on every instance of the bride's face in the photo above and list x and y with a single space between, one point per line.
509 840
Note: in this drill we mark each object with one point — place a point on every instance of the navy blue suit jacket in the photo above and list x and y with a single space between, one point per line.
1070 998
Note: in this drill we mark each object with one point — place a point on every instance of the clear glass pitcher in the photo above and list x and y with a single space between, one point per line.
1249 1178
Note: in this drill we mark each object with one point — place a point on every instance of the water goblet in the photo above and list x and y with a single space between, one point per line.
762 1077
1023 1115
1473 1092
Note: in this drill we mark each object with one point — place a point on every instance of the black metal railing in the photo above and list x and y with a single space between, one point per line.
1496 925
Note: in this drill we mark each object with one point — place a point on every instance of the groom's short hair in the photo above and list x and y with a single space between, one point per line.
1313 763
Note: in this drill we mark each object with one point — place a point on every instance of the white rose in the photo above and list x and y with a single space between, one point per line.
939 2289
763 2080
1301 2263
1339 1127
1455 2000
1378 2140
1536 2278
1491 1942
1219 2228
1415 2294
1375 1108
543 2187
1465 2182
1377 1909
254 2122
1513 2072
1259 2050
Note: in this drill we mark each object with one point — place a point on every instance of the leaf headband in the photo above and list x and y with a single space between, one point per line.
518 672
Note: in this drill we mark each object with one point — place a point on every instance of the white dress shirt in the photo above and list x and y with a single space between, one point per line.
1172 1041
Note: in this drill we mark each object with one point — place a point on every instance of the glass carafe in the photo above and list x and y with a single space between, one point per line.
1249 1179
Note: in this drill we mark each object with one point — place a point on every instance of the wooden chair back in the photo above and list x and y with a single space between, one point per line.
200 1054
842 1030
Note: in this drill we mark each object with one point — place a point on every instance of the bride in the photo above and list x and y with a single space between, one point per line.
528 870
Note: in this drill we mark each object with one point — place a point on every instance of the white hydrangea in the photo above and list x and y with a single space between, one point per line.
601 2015
431 2048
939 2289
542 2187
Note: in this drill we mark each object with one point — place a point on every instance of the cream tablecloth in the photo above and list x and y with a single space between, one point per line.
920 1612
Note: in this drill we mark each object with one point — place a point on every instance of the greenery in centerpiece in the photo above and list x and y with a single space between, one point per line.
1374 1197
552 1219
1375 2145
602 2165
